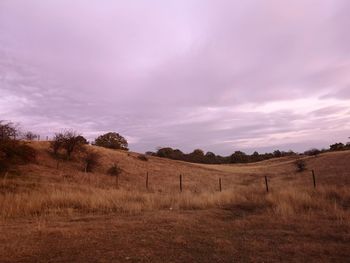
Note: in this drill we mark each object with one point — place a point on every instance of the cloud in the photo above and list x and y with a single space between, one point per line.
218 75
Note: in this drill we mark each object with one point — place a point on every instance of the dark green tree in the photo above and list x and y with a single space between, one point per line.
112 140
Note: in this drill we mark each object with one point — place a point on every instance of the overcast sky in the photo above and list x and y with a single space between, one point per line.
217 75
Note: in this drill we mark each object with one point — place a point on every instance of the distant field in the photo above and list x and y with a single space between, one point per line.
63 214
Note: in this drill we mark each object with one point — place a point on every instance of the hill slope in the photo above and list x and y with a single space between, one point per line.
330 168
63 214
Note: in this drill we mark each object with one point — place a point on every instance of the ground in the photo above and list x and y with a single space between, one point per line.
216 235
58 215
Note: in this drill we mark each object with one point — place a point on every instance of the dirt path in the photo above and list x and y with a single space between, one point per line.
218 235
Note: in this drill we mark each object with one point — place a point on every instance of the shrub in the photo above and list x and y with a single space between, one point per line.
8 131
142 157
239 157
112 140
30 136
4 165
15 152
91 160
82 140
114 170
12 151
312 152
337 146
69 141
300 165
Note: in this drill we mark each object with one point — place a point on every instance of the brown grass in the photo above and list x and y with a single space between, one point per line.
41 203
42 189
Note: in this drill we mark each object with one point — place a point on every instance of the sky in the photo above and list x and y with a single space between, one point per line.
220 75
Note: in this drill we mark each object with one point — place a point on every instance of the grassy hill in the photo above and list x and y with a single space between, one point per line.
43 202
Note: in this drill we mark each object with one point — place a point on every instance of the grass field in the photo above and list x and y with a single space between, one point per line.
51 213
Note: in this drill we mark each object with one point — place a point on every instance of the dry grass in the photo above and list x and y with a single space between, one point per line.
67 198
42 189
242 220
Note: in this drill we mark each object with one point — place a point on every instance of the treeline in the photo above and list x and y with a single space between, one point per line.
198 155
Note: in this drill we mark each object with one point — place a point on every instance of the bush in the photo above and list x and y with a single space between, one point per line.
91 160
142 157
15 152
30 136
114 170
112 140
8 131
57 143
69 141
337 146
4 165
312 152
300 165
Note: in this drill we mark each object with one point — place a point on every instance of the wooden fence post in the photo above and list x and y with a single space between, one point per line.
147 180
314 178
220 184
266 183
180 182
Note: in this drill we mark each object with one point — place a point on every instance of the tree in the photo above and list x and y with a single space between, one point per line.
57 143
8 131
210 158
177 155
255 157
13 151
197 156
115 170
238 157
112 140
68 140
312 152
277 153
30 136
91 160
337 147
82 140
165 152
72 142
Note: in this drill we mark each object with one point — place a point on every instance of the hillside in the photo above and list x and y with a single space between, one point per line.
54 211
331 169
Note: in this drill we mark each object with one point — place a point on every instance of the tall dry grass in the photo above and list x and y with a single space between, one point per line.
43 190
66 198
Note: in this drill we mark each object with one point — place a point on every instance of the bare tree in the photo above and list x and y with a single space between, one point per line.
8 131
30 136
